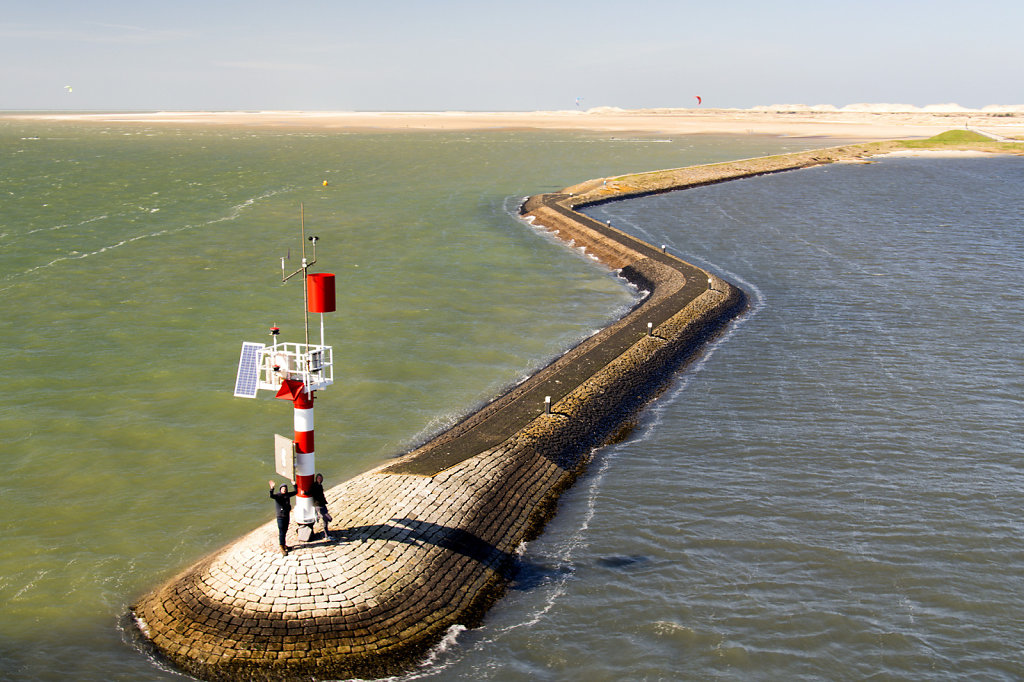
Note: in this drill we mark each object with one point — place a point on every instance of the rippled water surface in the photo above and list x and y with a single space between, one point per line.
832 493
835 492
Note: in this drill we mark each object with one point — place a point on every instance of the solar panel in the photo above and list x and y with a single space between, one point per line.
247 380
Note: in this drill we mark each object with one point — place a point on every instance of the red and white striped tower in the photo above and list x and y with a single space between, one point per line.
305 463
295 371
320 298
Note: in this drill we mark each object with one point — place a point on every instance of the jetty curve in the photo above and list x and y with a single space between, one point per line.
428 540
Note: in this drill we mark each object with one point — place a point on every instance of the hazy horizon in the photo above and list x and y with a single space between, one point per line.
858 107
531 56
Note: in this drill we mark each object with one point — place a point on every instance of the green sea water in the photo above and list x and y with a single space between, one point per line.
135 260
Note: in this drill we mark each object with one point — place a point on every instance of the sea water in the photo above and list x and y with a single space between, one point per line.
737 534
834 490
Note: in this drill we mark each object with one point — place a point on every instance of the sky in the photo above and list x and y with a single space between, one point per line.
415 55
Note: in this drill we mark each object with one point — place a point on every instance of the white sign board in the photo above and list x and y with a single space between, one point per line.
284 457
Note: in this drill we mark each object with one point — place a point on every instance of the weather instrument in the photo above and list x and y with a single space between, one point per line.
295 371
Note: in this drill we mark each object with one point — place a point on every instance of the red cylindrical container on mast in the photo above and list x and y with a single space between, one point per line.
321 292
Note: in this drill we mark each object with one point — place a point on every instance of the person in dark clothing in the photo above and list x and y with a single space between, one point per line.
284 511
316 491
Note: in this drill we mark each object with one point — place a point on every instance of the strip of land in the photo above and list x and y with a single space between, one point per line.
849 125
947 144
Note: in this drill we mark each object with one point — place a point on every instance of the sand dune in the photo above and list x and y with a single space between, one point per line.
854 122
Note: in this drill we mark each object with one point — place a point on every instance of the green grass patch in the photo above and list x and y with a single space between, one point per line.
958 137
962 139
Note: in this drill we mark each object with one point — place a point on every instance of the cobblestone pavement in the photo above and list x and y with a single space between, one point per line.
428 541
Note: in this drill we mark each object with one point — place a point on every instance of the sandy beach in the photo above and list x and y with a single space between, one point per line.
782 121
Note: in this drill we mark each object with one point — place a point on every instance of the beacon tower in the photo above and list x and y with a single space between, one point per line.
295 371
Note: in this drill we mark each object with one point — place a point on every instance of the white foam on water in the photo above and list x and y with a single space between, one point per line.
131 629
512 204
436 426
566 549
54 228
29 585
432 664
657 408
233 214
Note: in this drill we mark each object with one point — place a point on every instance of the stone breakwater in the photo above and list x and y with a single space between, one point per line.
428 540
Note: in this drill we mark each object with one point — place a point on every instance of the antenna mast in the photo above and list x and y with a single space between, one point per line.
304 268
